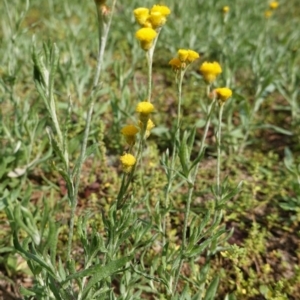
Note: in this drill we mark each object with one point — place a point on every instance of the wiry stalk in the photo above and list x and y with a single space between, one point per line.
219 152
174 154
149 55
190 194
104 26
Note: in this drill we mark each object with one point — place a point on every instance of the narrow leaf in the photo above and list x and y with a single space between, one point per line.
103 272
212 289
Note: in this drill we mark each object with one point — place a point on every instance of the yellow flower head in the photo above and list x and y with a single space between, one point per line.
145 108
273 4
156 19
158 15
225 9
164 10
183 54
175 63
141 15
223 94
146 37
187 55
268 14
210 71
127 161
146 34
192 55
129 132
149 127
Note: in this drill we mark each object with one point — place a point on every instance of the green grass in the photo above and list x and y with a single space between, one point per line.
260 59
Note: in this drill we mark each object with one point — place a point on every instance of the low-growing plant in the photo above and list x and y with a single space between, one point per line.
110 192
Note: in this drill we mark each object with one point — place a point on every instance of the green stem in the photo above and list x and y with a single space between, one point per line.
121 192
103 34
219 152
174 153
190 194
52 104
184 239
207 123
124 186
181 75
149 55
9 16
58 131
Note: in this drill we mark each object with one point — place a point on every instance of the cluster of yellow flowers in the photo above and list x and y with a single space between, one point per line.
184 58
210 71
151 21
272 6
153 18
145 125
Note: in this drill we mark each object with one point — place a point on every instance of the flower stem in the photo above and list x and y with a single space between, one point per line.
207 123
174 153
124 186
181 74
103 34
149 55
190 194
184 239
58 130
219 152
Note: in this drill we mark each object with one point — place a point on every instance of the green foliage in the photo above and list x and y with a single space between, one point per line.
180 224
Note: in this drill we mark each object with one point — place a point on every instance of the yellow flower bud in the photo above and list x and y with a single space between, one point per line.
146 37
149 127
164 10
273 4
127 161
145 108
192 55
210 71
157 19
129 132
185 57
225 9
175 63
141 15
223 94
268 14
183 54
